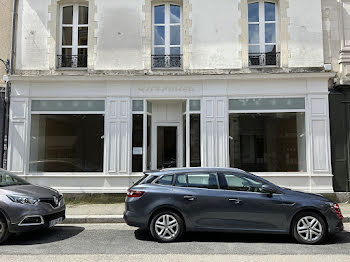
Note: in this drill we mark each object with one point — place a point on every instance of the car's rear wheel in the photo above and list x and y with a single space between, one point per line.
309 228
166 226
4 232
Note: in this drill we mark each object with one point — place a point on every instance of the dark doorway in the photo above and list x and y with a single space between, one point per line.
339 112
166 146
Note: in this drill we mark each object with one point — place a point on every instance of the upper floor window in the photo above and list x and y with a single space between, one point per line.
167 27
73 48
263 46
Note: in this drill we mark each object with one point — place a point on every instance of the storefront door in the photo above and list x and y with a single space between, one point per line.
166 147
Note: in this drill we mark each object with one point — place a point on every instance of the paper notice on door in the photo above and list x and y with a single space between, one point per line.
137 150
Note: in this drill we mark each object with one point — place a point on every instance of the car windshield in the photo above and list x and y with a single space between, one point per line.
9 179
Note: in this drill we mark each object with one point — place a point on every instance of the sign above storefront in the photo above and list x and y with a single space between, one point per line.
165 89
173 89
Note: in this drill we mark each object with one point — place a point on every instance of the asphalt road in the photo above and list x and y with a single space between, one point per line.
117 240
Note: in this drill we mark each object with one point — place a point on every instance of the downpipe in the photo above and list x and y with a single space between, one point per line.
6 124
8 87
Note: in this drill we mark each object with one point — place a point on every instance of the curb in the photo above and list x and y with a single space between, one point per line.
93 219
110 219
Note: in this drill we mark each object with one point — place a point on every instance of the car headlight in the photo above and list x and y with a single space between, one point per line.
23 200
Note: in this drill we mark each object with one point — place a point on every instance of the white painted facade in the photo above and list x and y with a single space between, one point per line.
120 40
119 71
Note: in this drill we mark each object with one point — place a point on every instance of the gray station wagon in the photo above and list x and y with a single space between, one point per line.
26 207
172 201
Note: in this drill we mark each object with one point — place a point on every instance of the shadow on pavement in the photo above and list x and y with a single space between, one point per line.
340 238
51 235
343 237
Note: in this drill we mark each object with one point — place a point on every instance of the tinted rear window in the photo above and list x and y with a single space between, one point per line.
146 179
166 180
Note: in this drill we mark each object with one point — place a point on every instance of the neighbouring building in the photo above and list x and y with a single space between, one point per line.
336 30
5 54
104 90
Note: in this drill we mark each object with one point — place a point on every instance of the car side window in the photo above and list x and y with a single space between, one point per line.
238 182
181 180
166 180
202 180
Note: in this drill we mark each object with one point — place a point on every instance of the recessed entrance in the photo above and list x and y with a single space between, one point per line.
166 146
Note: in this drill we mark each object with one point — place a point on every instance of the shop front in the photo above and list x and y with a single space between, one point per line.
98 136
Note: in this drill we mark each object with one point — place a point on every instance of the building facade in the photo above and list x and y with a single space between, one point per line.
6 7
336 27
104 90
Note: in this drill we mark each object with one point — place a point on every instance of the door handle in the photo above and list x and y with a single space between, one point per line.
190 198
235 200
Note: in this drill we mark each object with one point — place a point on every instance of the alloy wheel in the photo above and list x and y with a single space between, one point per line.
166 226
309 229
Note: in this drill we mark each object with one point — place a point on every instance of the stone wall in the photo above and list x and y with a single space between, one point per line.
5 35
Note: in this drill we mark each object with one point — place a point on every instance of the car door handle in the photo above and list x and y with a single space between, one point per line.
190 198
235 200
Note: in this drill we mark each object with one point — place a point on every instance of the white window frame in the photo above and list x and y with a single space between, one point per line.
187 134
75 30
307 132
42 112
167 26
262 23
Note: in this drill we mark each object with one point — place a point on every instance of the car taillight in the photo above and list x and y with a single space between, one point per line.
132 193
337 211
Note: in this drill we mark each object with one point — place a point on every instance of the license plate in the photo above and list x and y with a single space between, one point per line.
55 221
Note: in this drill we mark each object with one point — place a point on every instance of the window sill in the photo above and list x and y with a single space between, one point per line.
167 69
72 69
265 66
73 174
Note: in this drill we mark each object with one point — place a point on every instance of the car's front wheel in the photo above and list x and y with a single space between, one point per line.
309 228
166 226
4 232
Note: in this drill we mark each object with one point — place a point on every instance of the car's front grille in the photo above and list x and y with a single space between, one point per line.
50 217
51 201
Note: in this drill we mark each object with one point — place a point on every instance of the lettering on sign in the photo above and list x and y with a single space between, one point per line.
166 89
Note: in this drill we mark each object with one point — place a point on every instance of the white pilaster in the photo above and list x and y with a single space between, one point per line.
18 144
214 129
118 134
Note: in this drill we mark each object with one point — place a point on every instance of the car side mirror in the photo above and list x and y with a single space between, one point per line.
268 189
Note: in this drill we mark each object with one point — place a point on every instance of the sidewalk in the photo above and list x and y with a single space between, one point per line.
95 213
113 213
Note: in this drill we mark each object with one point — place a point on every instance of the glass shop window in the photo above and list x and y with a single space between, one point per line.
268 142
66 143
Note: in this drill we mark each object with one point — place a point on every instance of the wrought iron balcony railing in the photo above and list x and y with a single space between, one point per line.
71 61
264 59
166 61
